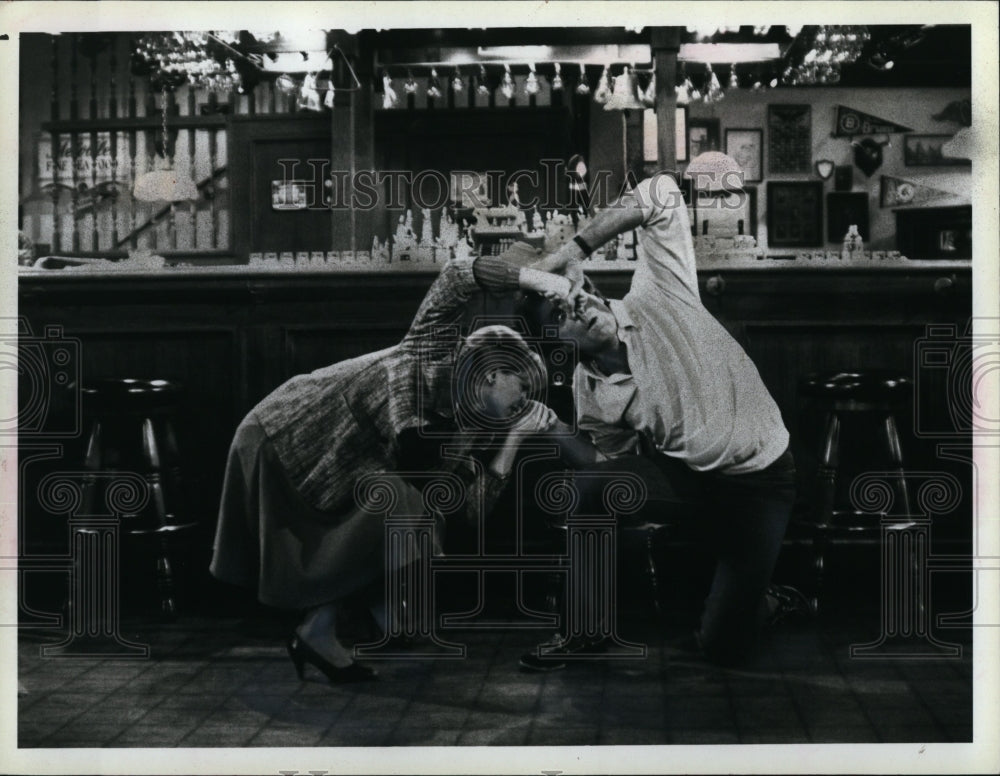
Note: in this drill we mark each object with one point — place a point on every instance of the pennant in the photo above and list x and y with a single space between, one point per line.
897 192
851 122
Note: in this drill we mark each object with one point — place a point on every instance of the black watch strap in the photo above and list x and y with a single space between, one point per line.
587 250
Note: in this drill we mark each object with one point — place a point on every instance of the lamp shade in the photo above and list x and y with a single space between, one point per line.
625 94
164 184
714 171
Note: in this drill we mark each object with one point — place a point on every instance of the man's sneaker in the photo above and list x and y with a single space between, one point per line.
555 654
786 603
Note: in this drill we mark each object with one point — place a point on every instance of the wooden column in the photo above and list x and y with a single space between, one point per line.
362 57
665 43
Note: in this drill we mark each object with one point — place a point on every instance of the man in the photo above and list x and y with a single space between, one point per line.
660 377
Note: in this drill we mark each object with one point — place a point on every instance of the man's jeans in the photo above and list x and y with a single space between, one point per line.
746 516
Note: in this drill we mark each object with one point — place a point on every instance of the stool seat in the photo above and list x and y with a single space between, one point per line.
864 386
131 394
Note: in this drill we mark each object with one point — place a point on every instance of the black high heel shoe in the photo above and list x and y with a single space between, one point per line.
301 653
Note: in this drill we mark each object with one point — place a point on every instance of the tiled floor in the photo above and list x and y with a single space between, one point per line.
219 682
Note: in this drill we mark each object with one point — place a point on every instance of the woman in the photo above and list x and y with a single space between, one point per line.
289 525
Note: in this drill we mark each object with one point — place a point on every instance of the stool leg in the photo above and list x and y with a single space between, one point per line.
825 501
174 481
164 569
916 567
92 463
819 567
652 573
896 457
827 474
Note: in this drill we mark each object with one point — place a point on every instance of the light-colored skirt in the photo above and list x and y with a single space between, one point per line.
270 539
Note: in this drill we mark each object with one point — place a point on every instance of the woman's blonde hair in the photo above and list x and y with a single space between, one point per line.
485 351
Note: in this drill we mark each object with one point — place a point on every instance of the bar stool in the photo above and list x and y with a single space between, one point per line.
132 429
853 396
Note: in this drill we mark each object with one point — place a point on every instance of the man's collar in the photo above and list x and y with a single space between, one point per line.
620 311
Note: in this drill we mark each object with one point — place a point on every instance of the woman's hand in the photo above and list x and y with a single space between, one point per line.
547 284
536 419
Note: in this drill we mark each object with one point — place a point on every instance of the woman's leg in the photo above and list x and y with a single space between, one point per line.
318 629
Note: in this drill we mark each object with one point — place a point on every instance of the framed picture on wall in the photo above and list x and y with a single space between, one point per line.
789 138
702 136
925 151
795 214
745 146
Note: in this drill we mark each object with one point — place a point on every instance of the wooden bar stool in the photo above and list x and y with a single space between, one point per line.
850 400
133 429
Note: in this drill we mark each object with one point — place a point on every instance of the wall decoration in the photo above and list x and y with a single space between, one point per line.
746 146
795 214
852 122
925 151
289 195
789 140
958 111
702 136
935 232
846 209
843 178
868 154
824 168
897 192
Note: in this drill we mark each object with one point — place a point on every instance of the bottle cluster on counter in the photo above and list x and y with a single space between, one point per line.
488 231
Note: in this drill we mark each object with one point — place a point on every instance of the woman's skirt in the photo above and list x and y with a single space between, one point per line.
295 556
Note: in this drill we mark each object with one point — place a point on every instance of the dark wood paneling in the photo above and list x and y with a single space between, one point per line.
255 148
231 340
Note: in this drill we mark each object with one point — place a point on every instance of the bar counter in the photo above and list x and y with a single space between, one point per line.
230 335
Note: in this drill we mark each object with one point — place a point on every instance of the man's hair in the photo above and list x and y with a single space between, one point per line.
486 350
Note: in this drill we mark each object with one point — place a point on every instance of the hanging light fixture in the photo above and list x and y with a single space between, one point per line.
583 87
603 93
389 96
713 89
309 93
192 57
649 95
410 84
507 84
734 81
483 88
163 183
557 82
286 84
457 84
625 95
682 92
434 86
531 84
831 48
